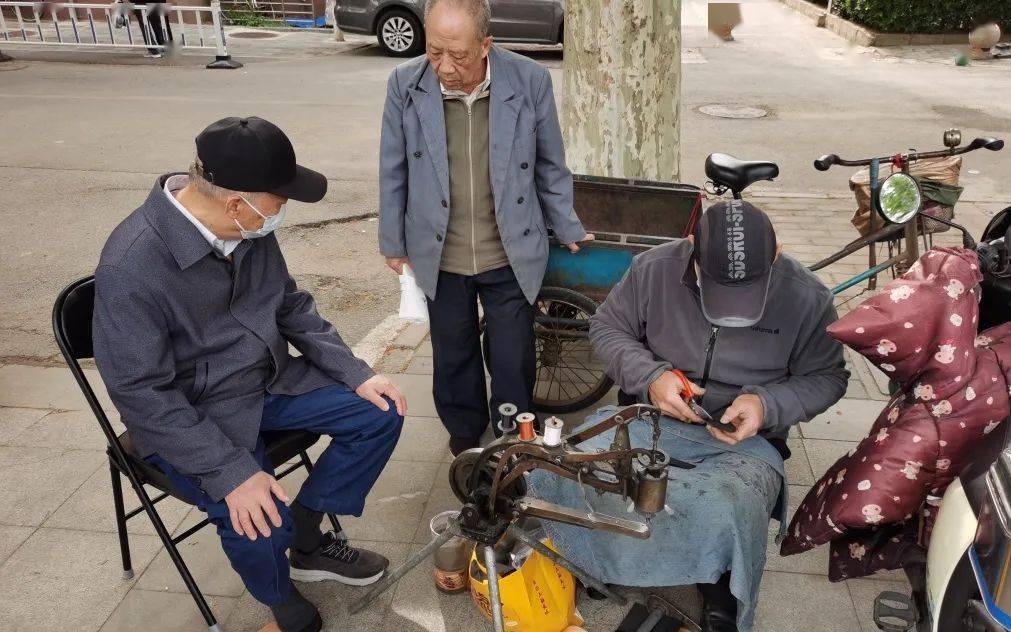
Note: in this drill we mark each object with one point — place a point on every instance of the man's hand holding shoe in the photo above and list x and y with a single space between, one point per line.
746 414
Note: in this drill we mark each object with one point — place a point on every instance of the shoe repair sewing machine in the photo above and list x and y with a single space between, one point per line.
489 481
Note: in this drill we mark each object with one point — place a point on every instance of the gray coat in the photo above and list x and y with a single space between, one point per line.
532 186
652 322
189 343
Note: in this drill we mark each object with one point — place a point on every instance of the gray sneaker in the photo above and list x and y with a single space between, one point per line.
337 560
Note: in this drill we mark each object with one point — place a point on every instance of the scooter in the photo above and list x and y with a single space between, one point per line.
960 584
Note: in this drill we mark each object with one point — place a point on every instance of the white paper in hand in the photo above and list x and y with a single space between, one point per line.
413 306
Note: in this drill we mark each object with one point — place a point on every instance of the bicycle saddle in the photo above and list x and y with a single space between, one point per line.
737 175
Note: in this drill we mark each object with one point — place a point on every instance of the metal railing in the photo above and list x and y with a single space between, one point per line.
156 27
271 9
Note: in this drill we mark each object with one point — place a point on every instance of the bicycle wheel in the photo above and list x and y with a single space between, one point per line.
569 375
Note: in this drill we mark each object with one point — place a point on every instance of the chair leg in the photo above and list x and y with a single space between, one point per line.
124 538
337 528
173 552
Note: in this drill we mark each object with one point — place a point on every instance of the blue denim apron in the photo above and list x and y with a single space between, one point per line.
717 515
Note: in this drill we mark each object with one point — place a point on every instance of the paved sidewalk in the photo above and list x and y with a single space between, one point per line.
59 558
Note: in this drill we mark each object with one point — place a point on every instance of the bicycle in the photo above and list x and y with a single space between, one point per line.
903 224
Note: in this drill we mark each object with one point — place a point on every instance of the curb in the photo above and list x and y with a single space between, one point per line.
864 36
379 340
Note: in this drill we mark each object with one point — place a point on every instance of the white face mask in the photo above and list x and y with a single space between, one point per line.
270 222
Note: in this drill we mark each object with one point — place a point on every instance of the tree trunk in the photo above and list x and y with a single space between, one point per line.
621 114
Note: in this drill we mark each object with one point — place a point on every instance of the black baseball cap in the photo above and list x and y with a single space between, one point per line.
254 155
735 247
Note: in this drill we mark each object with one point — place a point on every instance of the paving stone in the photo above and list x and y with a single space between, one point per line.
823 454
11 538
395 361
90 508
795 602
332 599
418 391
420 365
153 611
205 558
441 499
423 439
72 429
15 420
36 481
424 349
47 387
863 592
412 336
798 468
813 562
66 580
395 505
846 420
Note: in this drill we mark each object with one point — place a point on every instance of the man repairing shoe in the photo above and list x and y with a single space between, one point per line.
194 313
724 314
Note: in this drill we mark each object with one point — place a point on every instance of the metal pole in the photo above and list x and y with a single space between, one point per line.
580 574
395 576
222 58
493 593
654 617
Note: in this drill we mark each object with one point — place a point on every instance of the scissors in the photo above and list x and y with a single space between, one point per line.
688 395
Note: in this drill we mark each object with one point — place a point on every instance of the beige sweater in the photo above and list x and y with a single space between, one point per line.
473 244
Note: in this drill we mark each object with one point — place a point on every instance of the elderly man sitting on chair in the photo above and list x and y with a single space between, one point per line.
194 312
718 325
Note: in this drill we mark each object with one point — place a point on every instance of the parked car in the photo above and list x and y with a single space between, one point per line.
398 23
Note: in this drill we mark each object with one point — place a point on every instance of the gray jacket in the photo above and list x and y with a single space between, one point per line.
189 343
532 186
652 322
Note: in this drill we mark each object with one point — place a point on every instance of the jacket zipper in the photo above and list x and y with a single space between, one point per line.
470 160
710 348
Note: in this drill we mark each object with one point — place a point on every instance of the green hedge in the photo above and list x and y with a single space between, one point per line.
925 16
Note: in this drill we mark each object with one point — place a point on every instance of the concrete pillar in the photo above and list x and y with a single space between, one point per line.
621 114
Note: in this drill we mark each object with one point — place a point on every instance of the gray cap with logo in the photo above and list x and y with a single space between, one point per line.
735 248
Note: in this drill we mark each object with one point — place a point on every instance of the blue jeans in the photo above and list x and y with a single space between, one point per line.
362 440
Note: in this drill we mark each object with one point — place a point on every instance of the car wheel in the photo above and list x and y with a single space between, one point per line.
400 34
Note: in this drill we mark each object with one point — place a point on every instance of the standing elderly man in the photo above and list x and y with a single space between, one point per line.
194 313
724 314
472 174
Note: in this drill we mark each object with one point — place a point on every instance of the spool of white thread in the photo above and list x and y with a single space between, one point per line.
553 432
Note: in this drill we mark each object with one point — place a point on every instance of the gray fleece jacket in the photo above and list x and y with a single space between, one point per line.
652 322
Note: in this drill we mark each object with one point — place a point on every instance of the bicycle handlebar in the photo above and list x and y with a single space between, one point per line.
992 144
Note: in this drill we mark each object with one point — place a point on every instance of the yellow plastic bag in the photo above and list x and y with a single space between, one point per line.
538 597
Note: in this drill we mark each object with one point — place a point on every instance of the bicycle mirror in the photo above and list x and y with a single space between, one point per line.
899 198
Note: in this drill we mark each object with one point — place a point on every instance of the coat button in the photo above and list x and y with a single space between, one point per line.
438 238
445 204
520 201
524 166
526 232
417 154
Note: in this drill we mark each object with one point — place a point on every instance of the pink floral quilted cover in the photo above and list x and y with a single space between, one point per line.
877 504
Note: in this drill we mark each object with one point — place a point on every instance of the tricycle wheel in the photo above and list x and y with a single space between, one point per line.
569 375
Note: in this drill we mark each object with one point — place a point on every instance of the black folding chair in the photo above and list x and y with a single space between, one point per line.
72 315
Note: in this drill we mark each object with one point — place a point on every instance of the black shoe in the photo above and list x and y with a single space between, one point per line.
461 444
337 560
718 621
719 606
297 614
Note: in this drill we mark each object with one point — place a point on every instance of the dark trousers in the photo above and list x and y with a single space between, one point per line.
461 397
362 440
154 22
